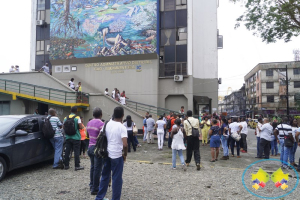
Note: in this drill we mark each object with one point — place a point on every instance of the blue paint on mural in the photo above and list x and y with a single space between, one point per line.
97 28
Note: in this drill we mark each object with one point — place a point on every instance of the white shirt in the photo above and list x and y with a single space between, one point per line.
122 100
284 129
11 70
266 132
177 142
113 93
17 70
129 128
245 127
257 130
294 131
106 93
46 69
235 127
72 85
115 131
160 125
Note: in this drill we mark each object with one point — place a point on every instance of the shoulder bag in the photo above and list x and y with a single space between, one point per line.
135 130
195 132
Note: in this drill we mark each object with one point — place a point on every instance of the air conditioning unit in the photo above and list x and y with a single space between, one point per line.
48 48
40 22
182 34
178 78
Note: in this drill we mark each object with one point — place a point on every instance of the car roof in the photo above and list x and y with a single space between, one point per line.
19 116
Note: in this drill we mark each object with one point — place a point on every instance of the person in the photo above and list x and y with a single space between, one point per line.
116 134
106 92
235 127
181 112
58 140
45 68
145 127
93 129
160 125
172 122
129 124
177 134
123 99
165 129
83 136
244 133
265 139
214 133
150 129
297 139
257 133
123 93
113 93
71 84
274 147
224 138
78 88
12 69
73 141
206 126
36 112
294 132
284 131
192 141
17 69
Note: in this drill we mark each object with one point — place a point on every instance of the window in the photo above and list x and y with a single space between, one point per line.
41 4
270 99
169 5
296 71
168 37
41 15
181 18
170 69
169 54
29 125
169 19
296 84
181 53
4 108
270 85
269 72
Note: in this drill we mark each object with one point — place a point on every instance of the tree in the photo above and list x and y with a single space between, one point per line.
271 20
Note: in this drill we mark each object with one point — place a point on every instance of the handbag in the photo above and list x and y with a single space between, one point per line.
287 140
236 136
135 130
195 132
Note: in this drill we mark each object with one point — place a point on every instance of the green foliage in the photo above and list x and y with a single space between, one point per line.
271 20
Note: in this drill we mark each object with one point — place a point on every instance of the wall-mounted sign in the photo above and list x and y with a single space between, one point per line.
66 68
58 69
74 68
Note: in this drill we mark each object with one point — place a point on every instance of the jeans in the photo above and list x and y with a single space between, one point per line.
75 144
169 140
145 134
57 143
150 137
116 167
244 141
130 140
292 153
160 138
174 152
274 147
225 146
257 145
135 140
281 143
287 152
96 169
264 146
192 146
237 147
165 133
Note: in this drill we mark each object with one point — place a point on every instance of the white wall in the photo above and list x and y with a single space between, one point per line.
202 38
33 34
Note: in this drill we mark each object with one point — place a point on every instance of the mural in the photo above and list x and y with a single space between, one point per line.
97 28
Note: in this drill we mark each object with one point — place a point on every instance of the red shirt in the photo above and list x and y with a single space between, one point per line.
172 123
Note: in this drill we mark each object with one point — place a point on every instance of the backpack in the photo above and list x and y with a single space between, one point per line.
69 126
48 129
101 144
169 124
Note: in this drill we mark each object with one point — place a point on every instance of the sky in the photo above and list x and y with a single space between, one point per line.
242 51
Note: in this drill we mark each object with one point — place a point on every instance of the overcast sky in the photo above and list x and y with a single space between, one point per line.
242 51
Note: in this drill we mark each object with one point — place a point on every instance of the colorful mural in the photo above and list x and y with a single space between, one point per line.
97 28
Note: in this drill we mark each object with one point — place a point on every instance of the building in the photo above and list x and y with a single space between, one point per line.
234 104
163 53
266 88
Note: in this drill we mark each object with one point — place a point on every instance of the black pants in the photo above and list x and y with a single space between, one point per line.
243 141
82 146
232 143
264 146
130 140
75 145
192 146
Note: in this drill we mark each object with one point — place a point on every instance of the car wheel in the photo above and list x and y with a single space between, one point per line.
3 168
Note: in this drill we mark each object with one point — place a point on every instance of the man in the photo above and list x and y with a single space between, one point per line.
36 112
17 69
123 93
244 133
235 127
172 121
150 129
192 141
265 139
145 127
12 69
181 111
257 133
116 134
73 141
281 132
106 92
113 93
45 68
71 84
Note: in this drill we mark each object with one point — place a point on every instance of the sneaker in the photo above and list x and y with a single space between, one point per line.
243 151
94 193
184 167
174 168
67 167
198 167
79 168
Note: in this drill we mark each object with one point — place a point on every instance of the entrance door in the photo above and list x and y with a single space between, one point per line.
43 108
4 108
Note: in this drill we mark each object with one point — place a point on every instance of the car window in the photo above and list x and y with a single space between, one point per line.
6 124
29 125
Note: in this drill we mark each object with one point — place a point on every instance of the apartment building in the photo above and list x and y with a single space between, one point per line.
234 104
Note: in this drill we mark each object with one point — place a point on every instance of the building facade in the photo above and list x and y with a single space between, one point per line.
161 52
266 88
235 103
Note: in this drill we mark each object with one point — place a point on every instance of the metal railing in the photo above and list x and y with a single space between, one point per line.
43 92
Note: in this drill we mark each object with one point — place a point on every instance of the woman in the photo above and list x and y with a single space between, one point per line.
224 138
292 153
160 125
83 137
129 124
178 134
206 126
214 133
274 147
71 84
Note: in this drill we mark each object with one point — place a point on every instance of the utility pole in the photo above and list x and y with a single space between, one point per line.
287 93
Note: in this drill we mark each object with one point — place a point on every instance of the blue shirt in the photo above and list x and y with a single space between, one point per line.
215 130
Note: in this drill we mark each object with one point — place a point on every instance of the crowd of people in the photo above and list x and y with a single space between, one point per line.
116 95
14 69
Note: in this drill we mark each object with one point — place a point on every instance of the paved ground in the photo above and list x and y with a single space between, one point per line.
147 175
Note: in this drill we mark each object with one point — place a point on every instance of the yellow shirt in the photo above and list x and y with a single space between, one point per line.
206 127
187 126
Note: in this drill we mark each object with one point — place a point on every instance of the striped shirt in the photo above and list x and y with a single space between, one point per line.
56 125
93 128
284 129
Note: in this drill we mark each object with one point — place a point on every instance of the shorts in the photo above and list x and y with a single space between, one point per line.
215 141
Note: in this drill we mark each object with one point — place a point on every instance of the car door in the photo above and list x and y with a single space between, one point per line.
27 148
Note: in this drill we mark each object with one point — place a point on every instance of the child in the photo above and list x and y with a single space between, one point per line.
214 134
178 134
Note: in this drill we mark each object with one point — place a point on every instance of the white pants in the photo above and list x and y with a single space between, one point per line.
150 136
160 138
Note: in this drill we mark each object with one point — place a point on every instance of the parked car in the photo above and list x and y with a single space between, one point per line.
22 142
